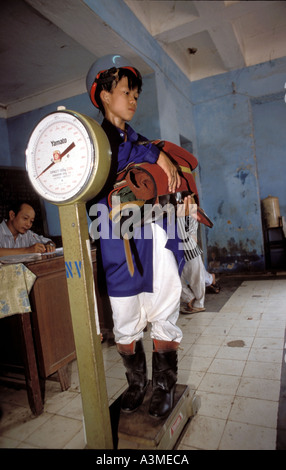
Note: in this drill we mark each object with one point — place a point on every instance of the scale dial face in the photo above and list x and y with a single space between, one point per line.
60 157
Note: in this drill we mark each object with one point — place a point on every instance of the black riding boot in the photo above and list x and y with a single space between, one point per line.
164 378
136 373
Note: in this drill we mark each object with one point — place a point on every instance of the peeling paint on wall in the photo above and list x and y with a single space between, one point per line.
234 259
241 149
242 175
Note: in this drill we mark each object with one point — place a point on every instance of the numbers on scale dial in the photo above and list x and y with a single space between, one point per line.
57 156
68 173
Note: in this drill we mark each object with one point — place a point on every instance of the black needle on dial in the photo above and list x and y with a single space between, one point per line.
67 150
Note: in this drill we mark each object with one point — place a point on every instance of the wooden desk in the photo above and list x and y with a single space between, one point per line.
18 363
51 318
51 322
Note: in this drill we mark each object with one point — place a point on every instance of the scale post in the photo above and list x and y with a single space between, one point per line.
85 322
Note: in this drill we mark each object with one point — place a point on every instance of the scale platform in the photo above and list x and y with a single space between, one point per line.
139 430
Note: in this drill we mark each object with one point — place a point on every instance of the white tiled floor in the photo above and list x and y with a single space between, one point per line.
232 358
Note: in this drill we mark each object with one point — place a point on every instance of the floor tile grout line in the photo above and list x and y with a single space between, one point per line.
281 426
241 375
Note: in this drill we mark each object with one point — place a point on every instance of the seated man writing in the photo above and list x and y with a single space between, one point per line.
16 237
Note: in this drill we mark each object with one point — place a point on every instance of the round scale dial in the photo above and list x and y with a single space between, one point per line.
66 154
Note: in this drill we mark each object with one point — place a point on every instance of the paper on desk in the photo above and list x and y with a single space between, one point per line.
58 251
14 259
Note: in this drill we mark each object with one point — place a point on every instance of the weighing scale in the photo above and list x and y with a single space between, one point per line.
68 160
139 430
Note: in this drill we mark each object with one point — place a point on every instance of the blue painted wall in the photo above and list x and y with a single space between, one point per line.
241 145
235 122
238 132
269 122
5 156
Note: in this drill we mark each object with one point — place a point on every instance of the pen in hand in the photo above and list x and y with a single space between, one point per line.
40 247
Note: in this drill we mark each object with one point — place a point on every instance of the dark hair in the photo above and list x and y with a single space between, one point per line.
109 79
17 206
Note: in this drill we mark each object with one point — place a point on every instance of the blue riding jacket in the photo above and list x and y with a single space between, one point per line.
118 280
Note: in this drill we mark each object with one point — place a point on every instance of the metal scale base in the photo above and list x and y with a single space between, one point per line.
139 430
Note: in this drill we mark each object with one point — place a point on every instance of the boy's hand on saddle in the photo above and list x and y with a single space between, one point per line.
174 179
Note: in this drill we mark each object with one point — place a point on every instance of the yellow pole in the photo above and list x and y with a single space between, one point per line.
85 322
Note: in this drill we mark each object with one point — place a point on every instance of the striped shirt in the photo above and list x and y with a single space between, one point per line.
188 229
22 241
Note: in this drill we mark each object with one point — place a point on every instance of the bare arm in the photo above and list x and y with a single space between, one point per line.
187 207
36 248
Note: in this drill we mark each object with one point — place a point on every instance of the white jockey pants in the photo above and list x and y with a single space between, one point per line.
209 278
160 308
193 282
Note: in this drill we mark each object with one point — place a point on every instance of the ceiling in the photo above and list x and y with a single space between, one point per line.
206 38
47 47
